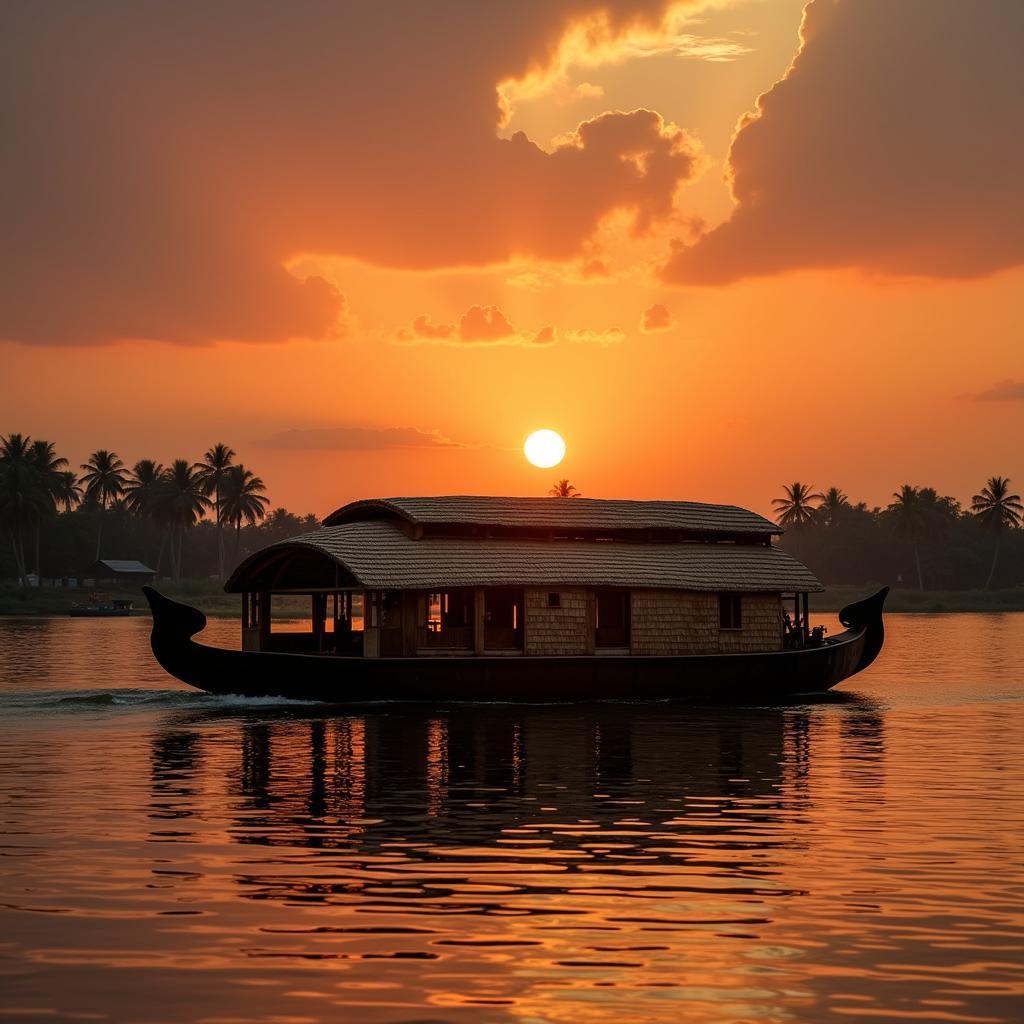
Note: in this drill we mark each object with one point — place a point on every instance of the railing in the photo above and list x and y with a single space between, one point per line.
452 638
503 638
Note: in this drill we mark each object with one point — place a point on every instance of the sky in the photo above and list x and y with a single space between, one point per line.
718 245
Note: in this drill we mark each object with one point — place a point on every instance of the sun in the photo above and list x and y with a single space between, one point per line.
544 449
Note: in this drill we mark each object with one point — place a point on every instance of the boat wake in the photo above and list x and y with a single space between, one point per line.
29 701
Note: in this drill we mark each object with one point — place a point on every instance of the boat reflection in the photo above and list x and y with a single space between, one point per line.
592 789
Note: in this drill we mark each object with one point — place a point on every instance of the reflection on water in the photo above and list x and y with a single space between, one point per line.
167 857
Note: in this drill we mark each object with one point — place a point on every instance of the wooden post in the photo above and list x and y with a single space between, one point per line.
371 623
410 617
478 621
807 617
263 616
318 604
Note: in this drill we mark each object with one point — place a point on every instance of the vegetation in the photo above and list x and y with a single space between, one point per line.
564 489
921 538
998 511
53 524
796 507
142 513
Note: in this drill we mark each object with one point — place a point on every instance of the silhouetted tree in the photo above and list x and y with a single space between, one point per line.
243 500
564 489
57 486
213 470
795 509
997 510
22 499
182 504
142 497
910 522
103 480
833 504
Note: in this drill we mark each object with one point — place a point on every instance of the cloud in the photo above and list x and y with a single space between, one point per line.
588 91
1004 391
484 323
175 159
479 325
655 318
588 336
424 327
893 145
356 439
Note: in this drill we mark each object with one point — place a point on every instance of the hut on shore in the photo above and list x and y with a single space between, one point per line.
117 572
471 576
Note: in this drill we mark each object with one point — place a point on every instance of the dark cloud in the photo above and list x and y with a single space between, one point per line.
655 318
165 162
479 325
893 144
356 439
1004 391
484 323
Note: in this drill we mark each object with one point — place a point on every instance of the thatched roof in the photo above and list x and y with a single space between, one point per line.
558 514
381 555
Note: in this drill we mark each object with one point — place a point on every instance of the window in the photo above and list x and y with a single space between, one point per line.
730 611
554 600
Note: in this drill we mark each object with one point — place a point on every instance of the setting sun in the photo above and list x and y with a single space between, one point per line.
544 449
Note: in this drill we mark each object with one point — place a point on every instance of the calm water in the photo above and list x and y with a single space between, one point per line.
168 857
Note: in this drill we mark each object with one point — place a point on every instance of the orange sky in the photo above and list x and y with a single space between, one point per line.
336 191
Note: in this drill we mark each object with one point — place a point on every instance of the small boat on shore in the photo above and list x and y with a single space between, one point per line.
100 606
526 600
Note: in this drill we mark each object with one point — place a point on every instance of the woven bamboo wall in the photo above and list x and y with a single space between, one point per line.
567 629
762 626
686 622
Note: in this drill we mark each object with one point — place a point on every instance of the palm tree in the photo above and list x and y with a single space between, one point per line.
213 469
56 484
833 504
104 480
182 504
997 510
142 494
22 500
564 489
795 509
243 500
142 487
909 517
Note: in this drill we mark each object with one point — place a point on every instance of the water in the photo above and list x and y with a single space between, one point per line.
170 857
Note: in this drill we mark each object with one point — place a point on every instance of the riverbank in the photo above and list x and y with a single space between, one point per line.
928 601
208 596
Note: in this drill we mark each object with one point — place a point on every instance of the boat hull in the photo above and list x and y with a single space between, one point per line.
513 679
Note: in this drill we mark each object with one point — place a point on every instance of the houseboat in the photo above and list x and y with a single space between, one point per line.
525 600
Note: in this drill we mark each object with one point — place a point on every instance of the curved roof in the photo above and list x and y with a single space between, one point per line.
380 555
559 513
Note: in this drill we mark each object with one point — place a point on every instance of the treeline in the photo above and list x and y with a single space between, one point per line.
921 539
199 519
185 519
